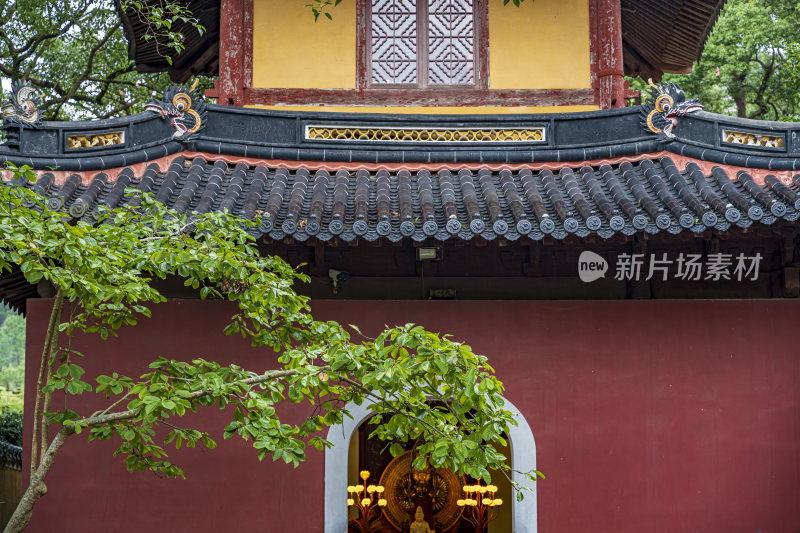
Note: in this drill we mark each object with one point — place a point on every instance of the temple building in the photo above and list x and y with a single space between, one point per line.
632 273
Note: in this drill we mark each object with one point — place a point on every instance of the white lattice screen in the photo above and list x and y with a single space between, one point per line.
451 42
448 47
394 41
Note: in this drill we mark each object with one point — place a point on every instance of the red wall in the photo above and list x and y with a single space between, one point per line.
649 416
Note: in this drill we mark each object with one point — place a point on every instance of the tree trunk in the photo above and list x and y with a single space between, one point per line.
740 95
22 514
49 341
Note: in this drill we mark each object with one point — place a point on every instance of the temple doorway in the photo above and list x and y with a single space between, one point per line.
439 494
349 450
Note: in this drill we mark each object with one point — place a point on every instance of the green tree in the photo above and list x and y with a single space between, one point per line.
12 341
793 56
12 359
745 69
76 53
103 274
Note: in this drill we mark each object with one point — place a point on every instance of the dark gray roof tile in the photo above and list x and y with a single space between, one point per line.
650 196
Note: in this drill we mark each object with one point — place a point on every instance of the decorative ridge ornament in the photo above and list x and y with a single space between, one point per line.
660 112
185 108
23 108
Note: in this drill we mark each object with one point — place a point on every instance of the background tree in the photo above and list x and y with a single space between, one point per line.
76 53
746 66
103 277
12 353
12 359
793 56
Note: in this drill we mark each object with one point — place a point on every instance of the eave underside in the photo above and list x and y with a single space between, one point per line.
661 37
200 55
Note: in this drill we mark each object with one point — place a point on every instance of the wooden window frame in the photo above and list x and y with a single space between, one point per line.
480 10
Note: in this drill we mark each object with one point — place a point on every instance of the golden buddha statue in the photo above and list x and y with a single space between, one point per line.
419 525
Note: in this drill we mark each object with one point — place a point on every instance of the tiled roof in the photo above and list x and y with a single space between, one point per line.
10 456
648 195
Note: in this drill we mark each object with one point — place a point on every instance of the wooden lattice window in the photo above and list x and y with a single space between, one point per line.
423 44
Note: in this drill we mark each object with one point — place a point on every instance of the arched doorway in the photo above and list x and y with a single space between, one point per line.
523 459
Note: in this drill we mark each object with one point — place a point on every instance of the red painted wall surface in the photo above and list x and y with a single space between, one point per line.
649 416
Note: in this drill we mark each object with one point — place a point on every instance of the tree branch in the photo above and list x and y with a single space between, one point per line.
89 65
52 330
370 393
130 413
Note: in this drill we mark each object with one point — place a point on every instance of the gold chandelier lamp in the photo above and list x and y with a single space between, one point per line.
365 498
480 504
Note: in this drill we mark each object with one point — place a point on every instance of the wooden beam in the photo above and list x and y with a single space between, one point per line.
416 97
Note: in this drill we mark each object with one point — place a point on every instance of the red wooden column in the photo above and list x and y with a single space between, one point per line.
607 51
235 52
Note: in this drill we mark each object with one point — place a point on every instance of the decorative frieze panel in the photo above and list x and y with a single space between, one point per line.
451 42
752 139
394 41
98 140
425 135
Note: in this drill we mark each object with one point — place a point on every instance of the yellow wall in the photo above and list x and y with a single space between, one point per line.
290 50
539 45
502 524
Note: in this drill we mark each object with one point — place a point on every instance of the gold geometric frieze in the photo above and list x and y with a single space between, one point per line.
95 141
752 139
456 135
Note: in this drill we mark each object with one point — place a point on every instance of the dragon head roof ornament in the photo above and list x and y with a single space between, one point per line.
184 107
667 102
23 108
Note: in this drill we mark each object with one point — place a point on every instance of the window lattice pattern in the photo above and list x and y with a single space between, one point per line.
424 134
394 41
451 42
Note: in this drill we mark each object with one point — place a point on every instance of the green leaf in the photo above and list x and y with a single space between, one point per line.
75 371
